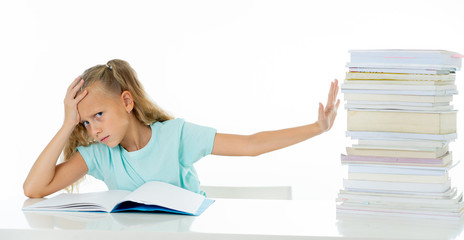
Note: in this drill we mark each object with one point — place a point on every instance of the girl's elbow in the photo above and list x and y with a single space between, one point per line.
30 192
253 152
32 195
252 148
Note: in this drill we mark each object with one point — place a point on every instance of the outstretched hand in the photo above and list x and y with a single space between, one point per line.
327 115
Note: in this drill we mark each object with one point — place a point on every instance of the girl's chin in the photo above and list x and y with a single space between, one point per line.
110 144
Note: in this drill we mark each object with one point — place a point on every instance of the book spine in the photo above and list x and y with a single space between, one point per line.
392 153
402 136
398 98
362 168
396 186
398 178
349 85
391 159
401 77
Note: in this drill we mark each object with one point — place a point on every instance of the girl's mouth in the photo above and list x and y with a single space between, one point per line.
104 139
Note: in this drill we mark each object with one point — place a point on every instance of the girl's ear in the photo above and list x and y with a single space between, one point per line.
126 98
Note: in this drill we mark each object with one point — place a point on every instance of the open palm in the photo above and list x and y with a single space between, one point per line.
327 115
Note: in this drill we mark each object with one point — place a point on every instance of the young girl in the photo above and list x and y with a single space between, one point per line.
113 132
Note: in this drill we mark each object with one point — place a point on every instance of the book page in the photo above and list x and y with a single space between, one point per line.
97 201
168 196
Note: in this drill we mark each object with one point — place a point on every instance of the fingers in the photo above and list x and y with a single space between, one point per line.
80 96
333 92
334 114
335 89
75 86
330 96
327 115
74 83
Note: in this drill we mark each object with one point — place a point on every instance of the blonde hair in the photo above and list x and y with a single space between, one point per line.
116 76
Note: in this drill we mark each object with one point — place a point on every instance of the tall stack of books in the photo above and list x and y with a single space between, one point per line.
401 123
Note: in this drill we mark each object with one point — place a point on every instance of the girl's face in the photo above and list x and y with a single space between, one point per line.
104 115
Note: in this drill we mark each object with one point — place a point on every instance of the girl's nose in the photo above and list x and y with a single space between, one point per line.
96 130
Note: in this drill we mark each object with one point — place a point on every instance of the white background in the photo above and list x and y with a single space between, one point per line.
238 66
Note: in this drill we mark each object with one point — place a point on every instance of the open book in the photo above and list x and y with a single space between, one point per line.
150 197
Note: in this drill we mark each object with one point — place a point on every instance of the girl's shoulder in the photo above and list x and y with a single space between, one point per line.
97 152
96 146
172 123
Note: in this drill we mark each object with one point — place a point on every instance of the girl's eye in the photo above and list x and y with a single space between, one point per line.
85 123
99 114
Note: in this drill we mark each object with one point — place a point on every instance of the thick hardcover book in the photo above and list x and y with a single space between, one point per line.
399 177
397 98
396 107
397 186
413 57
402 122
369 86
397 152
403 143
400 136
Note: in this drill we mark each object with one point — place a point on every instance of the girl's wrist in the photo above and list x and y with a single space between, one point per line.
319 128
68 126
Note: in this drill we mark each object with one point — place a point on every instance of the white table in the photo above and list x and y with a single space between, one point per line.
225 219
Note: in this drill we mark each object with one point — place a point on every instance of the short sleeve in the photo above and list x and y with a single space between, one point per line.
196 142
89 154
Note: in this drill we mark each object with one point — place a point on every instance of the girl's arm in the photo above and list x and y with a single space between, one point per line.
263 142
45 177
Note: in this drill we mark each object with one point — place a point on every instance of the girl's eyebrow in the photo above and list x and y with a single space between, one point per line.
84 119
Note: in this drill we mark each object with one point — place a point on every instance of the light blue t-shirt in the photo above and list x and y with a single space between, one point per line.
175 145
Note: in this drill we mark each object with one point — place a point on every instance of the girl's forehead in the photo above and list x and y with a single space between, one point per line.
97 89
96 96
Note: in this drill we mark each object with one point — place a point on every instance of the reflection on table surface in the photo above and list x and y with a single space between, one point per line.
232 216
229 216
350 225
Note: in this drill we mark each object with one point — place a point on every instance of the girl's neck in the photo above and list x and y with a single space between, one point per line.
137 136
